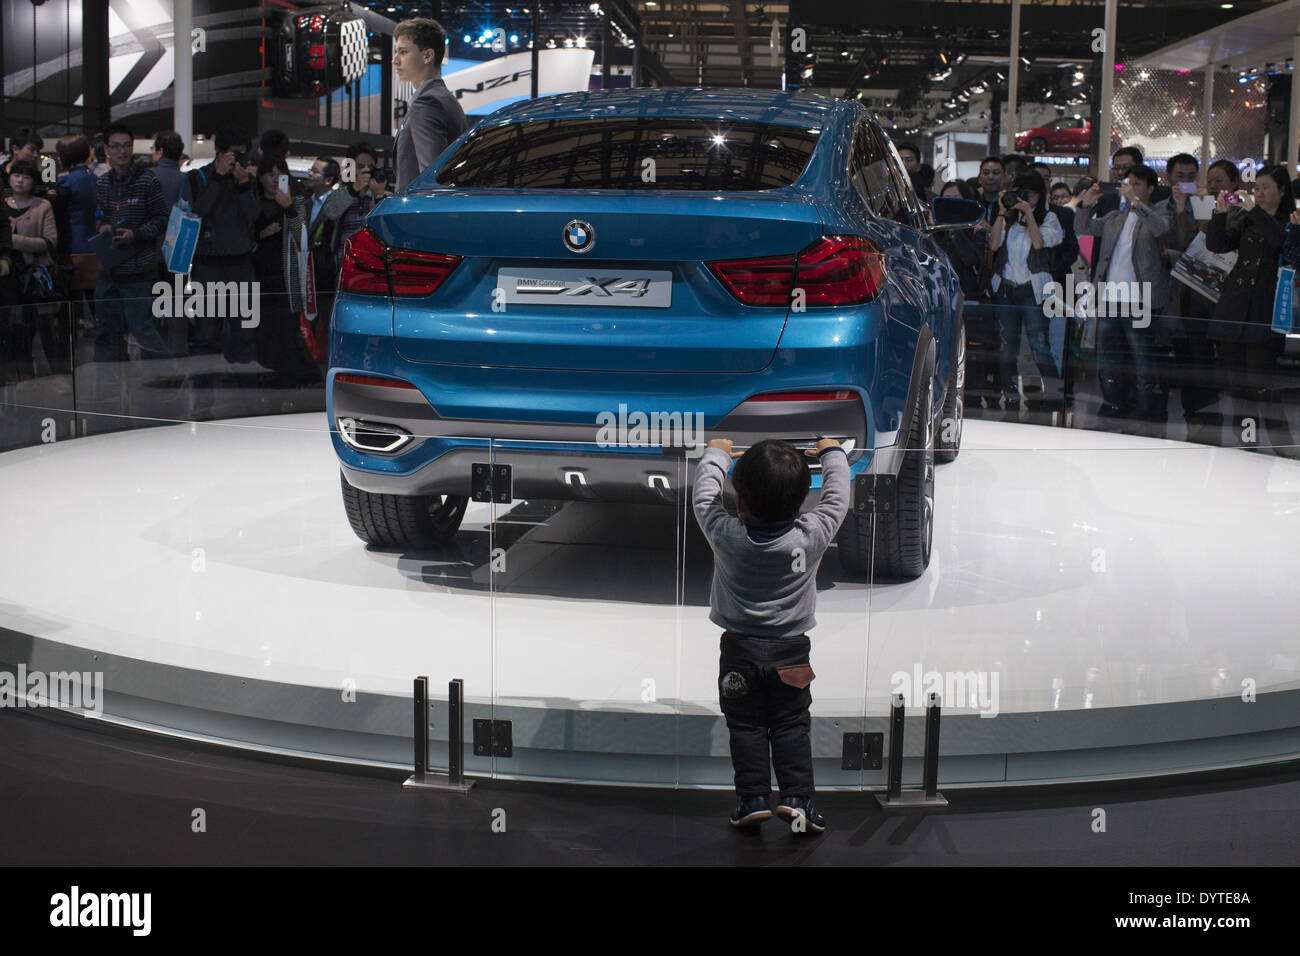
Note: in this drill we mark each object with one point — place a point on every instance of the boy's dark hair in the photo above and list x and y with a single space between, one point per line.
1011 159
72 150
1146 174
230 136
1132 152
275 143
26 137
773 479
916 150
426 35
991 159
168 141
1182 159
1060 184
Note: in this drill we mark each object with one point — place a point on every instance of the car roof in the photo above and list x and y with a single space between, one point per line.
752 105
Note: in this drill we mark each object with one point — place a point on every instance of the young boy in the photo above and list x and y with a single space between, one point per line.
764 595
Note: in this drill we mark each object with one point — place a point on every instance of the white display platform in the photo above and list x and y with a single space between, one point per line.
1085 572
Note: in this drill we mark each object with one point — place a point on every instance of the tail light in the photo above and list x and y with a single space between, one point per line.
316 56
765 281
834 270
841 395
371 268
418 274
352 378
364 268
840 270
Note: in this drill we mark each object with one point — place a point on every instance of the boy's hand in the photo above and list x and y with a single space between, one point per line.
725 445
822 445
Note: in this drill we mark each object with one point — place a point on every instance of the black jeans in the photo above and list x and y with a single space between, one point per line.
762 710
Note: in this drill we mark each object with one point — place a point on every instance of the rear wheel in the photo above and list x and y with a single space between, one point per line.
402 521
903 539
948 442
1038 145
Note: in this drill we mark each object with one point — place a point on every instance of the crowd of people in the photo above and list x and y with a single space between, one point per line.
86 246
93 238
1152 333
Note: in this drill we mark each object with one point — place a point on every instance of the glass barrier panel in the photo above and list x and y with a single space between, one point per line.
587 589
1097 605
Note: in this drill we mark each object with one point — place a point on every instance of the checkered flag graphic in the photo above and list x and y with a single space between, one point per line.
355 49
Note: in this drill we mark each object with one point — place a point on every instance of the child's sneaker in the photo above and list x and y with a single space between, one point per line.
751 811
797 808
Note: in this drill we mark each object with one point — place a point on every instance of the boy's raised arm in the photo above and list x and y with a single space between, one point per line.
707 498
825 519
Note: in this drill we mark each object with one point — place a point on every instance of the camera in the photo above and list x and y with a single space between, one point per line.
1011 197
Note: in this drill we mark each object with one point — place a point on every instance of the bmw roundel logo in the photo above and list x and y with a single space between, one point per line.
579 236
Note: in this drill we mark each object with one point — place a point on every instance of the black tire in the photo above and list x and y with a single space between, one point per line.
402 521
1038 145
947 441
904 539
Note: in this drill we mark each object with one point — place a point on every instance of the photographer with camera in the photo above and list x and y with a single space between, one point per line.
222 193
1023 239
1261 227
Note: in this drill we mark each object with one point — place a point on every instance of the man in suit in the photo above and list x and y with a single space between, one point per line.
1130 260
434 117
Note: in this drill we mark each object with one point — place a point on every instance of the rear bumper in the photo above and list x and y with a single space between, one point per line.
546 422
613 461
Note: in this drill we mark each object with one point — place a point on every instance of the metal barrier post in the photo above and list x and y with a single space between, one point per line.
456 730
895 797
424 779
930 773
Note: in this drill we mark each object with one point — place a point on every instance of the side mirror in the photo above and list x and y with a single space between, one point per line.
952 213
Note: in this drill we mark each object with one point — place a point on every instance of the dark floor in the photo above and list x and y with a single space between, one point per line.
75 796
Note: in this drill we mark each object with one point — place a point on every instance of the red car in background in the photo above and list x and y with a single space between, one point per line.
1069 134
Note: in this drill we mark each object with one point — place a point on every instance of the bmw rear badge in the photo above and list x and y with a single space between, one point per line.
579 236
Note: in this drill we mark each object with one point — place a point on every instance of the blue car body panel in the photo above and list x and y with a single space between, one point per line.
480 370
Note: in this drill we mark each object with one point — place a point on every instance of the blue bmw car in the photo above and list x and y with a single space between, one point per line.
585 288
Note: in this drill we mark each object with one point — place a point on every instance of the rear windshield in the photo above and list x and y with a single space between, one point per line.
631 153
